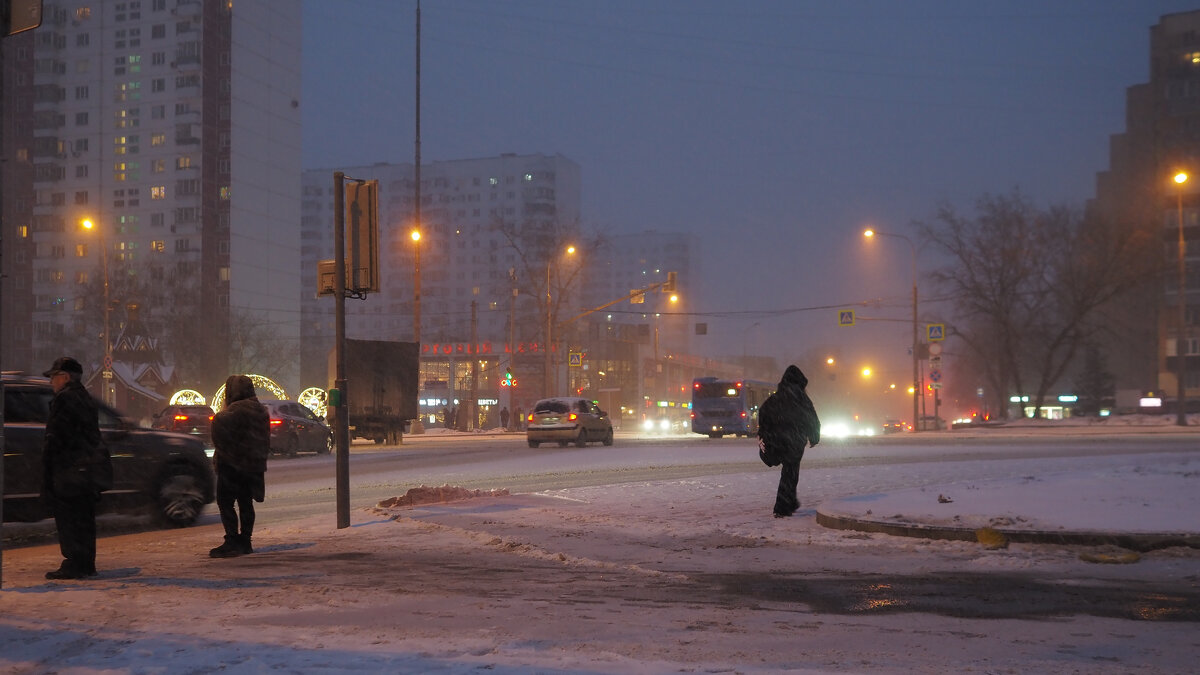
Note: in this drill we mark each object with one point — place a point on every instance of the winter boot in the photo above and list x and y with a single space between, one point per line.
230 549
244 543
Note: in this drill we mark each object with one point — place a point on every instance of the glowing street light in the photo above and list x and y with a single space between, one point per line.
109 393
549 365
416 237
1181 341
869 233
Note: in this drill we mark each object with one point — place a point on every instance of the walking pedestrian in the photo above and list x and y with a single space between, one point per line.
76 468
519 419
241 435
504 418
787 423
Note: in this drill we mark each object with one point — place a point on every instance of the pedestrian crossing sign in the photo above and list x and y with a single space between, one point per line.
935 332
575 359
845 317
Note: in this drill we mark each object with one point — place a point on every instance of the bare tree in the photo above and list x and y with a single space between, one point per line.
1027 285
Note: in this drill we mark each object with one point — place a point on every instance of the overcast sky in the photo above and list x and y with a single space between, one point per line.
774 130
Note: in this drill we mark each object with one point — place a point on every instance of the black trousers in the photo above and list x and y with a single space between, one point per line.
786 501
235 487
75 520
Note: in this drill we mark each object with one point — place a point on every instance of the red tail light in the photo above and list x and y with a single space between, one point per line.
573 417
275 422
181 418
530 418
743 413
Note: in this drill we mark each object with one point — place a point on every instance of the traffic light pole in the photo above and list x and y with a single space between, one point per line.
341 430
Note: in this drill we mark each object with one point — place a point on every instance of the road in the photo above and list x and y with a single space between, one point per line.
660 552
304 485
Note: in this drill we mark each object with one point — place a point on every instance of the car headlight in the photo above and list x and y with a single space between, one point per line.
664 424
648 425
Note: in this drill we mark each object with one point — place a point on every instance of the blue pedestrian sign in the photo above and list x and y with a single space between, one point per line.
935 332
575 359
845 317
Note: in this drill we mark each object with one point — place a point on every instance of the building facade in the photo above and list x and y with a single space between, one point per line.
159 144
1138 192
493 259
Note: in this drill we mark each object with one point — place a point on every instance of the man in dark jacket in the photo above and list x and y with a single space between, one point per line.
241 435
75 469
787 423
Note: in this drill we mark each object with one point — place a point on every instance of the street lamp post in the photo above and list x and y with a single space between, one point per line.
1181 336
549 378
916 374
416 237
109 394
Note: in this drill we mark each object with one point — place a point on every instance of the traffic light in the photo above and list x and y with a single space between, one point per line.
669 285
17 16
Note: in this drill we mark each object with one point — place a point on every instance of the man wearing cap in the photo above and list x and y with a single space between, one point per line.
74 465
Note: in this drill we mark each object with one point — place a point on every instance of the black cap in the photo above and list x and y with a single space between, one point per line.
64 364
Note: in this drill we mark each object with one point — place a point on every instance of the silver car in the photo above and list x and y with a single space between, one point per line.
568 420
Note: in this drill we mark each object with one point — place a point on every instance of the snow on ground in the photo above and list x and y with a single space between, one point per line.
604 580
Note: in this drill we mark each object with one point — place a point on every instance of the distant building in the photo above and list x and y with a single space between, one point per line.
1137 192
173 126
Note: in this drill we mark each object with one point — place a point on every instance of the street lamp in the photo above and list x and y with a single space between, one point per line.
1181 347
549 364
416 237
869 233
109 394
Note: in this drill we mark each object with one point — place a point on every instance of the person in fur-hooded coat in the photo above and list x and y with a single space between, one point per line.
787 424
241 435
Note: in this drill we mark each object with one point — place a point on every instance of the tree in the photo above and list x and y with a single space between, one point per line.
1094 385
1026 286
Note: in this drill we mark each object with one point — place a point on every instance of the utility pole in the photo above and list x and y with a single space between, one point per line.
341 427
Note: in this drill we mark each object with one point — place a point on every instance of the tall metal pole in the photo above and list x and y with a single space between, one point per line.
916 360
1181 346
549 341
341 428
107 374
417 183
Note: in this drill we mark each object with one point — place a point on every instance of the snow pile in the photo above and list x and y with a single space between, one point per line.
437 495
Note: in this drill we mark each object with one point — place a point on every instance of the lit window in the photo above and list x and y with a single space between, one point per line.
158 139
225 192
158 245
158 192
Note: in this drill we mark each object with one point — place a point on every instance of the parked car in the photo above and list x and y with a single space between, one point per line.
295 428
165 471
567 420
186 419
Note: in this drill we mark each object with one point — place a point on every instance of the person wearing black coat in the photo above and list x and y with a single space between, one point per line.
787 424
75 469
241 435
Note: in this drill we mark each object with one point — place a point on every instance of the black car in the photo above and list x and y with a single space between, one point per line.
168 472
295 428
186 419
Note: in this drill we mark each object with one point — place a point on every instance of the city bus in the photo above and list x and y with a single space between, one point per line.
721 407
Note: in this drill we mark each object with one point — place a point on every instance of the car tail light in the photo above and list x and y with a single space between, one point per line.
181 418
743 413
530 418
275 422
572 417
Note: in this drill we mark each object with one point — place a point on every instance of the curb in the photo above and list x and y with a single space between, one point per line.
1136 542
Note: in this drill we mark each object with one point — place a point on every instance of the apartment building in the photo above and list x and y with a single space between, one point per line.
172 129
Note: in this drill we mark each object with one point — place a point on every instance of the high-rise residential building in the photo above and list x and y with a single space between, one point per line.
172 127
480 218
1161 139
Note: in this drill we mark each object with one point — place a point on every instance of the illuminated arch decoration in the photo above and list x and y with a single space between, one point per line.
262 384
187 397
315 399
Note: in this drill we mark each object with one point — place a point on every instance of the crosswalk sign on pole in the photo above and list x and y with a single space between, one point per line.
845 317
575 359
935 332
